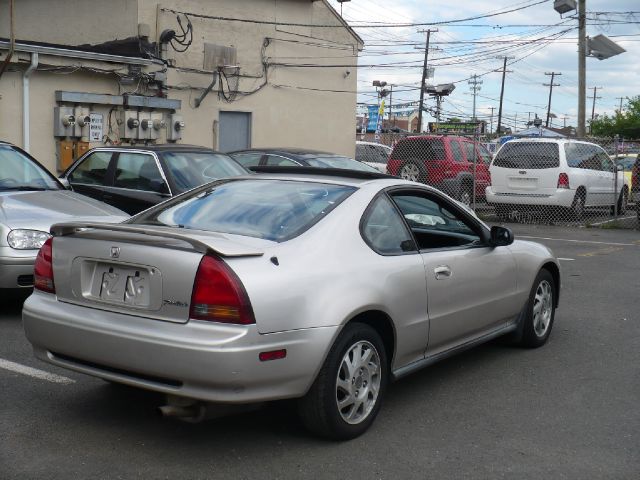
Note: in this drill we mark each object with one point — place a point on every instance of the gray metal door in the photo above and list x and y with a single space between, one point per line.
235 131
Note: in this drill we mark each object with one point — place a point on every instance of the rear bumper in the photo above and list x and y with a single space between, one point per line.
201 360
560 197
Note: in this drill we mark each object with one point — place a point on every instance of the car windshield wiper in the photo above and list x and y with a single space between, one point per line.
24 188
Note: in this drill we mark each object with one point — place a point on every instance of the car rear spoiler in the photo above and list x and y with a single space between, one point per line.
205 243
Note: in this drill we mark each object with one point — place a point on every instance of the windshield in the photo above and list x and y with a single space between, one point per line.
528 155
192 169
19 172
274 210
337 161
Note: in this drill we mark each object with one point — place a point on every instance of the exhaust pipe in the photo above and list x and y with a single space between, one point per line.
193 411
189 413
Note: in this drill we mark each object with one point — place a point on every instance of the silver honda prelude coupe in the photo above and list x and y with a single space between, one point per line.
316 285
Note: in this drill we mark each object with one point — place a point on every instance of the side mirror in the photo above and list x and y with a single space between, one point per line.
65 183
159 186
500 236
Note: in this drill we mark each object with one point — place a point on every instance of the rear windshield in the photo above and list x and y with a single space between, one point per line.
337 161
528 155
192 169
274 210
424 149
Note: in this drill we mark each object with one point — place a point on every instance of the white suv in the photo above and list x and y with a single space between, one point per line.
559 172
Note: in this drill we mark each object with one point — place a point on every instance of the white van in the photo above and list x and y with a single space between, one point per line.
564 173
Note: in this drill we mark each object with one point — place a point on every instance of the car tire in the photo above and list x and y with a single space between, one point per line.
540 311
622 203
361 395
414 171
577 207
503 212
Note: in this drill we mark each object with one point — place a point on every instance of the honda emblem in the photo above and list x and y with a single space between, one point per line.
115 252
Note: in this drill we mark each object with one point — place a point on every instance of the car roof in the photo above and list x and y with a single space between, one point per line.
358 142
163 147
326 175
549 140
286 151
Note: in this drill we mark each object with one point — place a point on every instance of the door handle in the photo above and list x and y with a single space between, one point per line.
442 272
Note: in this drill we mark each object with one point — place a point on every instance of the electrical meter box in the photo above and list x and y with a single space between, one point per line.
144 127
64 122
83 122
175 127
129 124
158 125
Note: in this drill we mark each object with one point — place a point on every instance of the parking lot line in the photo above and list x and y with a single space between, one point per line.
581 241
34 372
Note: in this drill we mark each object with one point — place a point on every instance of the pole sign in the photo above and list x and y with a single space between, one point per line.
379 123
373 118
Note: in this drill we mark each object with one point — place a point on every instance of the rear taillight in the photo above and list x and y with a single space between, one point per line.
218 294
563 180
43 268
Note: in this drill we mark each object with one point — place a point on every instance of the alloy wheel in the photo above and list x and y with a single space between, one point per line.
410 172
358 382
542 308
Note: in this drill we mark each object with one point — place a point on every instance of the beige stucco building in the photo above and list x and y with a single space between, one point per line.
279 79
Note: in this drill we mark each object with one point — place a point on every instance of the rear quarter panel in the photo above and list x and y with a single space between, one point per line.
328 275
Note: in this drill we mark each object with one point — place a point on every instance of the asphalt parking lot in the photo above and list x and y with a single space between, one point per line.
567 410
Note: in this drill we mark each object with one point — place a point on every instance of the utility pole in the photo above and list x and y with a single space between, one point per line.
550 85
391 105
564 119
424 77
474 86
515 123
504 71
582 66
621 99
491 127
593 107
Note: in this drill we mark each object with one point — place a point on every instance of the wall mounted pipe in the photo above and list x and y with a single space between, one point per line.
26 118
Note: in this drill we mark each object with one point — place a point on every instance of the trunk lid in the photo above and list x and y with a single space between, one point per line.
136 270
526 167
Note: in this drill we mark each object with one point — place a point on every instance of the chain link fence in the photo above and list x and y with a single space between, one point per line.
591 182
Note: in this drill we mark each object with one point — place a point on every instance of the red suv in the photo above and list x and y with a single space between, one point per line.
445 162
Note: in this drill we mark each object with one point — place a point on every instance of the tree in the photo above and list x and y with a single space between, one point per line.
626 124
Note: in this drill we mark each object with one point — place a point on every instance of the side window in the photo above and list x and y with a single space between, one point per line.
456 151
470 151
572 153
138 171
281 161
92 170
248 159
384 230
484 155
380 155
605 162
433 223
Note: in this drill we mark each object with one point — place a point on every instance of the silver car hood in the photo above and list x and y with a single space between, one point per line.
39 210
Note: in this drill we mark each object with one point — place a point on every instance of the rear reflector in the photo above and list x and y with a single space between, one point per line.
218 294
563 180
43 268
273 355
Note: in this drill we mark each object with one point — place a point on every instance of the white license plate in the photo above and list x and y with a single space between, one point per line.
123 285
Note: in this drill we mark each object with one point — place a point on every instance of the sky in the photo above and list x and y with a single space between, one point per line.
535 37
